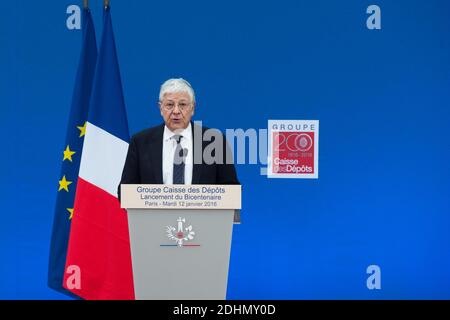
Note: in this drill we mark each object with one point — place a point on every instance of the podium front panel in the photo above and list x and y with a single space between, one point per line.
180 254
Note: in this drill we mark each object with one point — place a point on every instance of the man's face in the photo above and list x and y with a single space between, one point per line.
177 110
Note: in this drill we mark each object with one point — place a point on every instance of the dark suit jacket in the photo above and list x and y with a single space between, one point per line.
144 161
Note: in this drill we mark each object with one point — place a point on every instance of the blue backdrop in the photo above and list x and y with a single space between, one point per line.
382 98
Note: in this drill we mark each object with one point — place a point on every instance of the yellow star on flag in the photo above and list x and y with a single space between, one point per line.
64 184
82 129
68 154
71 212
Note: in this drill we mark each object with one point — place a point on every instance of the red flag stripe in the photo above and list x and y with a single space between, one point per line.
100 232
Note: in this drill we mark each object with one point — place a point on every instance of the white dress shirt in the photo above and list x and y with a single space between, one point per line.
169 146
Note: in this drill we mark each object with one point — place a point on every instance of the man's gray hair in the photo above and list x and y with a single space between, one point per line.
176 85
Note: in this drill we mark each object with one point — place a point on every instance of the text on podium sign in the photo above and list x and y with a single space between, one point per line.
158 196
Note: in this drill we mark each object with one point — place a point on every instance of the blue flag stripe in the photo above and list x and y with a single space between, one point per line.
107 107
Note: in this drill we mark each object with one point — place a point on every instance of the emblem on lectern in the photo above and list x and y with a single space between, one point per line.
180 234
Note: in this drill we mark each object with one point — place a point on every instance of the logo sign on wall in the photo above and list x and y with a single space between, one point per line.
293 149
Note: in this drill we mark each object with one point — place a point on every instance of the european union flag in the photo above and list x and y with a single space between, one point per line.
71 155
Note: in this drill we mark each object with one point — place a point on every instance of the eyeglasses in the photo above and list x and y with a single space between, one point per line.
169 106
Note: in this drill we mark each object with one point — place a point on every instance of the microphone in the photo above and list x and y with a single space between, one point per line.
183 153
180 156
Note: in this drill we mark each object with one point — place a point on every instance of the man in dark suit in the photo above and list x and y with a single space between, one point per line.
176 152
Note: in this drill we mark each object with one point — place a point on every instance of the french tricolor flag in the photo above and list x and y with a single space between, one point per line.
98 263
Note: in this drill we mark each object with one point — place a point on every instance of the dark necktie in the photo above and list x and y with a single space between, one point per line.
178 162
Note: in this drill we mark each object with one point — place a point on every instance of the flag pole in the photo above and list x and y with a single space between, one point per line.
86 4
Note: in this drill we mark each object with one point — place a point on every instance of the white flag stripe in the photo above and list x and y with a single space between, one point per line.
103 159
